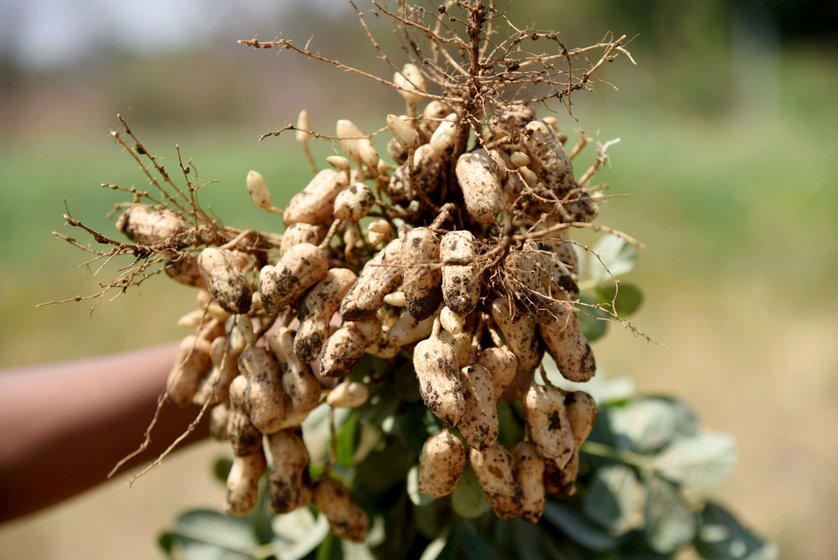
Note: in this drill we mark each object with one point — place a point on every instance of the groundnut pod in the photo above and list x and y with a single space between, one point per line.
289 485
548 425
316 311
581 413
147 225
347 520
192 364
243 435
479 423
243 482
265 397
450 321
548 157
380 276
513 119
481 186
349 136
258 190
495 470
562 334
530 469
407 330
313 205
441 463
348 394
520 334
561 482
421 274
460 285
301 233
403 132
423 180
432 116
222 274
301 136
354 202
299 384
410 83
379 231
225 368
345 347
502 364
461 343
184 270
298 269
218 422
439 380
445 135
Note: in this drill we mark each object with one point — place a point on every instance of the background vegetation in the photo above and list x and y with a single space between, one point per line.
726 155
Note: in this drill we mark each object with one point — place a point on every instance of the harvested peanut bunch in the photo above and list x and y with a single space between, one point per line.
454 255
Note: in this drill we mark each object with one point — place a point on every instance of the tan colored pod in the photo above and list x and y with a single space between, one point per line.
461 343
299 384
148 225
243 483
298 269
524 275
396 299
184 270
502 364
530 470
192 364
548 425
432 116
354 202
438 372
421 275
348 394
410 83
481 186
243 436
288 481
458 252
445 136
301 136
548 157
479 423
218 422
450 321
379 231
441 463
346 518
381 275
314 204
225 368
423 180
316 310
222 274
396 151
561 482
561 331
258 190
513 119
495 470
403 132
581 413
345 347
301 233
407 330
520 335
265 397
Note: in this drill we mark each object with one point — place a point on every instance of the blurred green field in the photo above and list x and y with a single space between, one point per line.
739 212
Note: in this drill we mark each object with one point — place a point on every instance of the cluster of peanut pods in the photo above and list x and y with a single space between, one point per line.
459 256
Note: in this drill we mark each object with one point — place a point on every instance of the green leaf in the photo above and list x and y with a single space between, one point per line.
646 424
702 460
526 540
468 500
624 298
330 548
221 469
612 256
511 431
670 523
346 438
722 537
166 541
594 321
297 533
434 518
416 497
578 528
613 498
204 534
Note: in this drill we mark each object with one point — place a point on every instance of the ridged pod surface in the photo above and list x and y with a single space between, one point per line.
548 425
347 520
316 311
381 275
481 186
314 204
288 482
420 273
458 252
441 463
297 270
495 470
439 380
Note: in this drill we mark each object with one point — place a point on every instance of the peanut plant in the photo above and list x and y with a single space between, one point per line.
406 371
